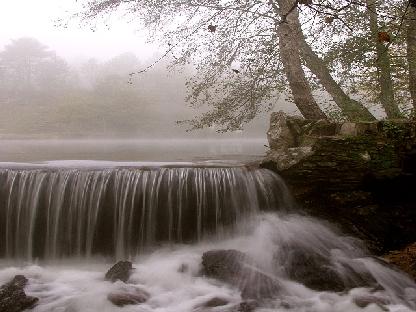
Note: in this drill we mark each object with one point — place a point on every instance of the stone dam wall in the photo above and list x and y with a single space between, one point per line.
360 176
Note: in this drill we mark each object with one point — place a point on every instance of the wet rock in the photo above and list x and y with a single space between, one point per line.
120 271
404 259
225 265
247 306
313 271
364 301
318 273
215 302
121 299
258 285
237 269
13 297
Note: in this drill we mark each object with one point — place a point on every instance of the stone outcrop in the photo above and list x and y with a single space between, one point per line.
360 176
237 269
119 271
404 259
13 297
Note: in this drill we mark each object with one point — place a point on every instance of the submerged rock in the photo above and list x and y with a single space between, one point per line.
364 301
121 299
237 269
120 271
247 306
215 302
13 297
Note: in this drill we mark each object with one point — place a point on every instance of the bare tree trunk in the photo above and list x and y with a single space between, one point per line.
411 50
351 108
289 54
383 65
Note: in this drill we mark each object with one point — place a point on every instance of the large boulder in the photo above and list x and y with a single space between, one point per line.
318 272
224 265
13 297
237 269
120 271
283 135
280 135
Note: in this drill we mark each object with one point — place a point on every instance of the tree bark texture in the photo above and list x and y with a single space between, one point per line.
383 65
290 57
411 51
351 108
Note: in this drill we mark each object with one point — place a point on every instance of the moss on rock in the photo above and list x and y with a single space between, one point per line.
358 175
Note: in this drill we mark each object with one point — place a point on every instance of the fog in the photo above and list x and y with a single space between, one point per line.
45 96
39 19
73 82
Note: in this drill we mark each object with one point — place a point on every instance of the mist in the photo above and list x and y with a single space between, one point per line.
44 95
73 82
68 93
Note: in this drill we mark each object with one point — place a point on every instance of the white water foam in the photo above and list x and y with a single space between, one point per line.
79 285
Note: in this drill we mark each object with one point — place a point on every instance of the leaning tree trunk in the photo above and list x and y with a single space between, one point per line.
411 50
351 108
383 65
289 54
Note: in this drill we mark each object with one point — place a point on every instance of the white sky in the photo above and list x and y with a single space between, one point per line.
36 18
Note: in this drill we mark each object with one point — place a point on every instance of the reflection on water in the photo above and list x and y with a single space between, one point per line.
132 150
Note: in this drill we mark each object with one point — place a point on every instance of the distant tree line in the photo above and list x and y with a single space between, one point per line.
42 95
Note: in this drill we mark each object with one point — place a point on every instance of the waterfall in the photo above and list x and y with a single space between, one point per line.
54 212
59 220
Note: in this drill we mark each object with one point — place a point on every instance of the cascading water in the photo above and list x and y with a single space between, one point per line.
55 213
63 224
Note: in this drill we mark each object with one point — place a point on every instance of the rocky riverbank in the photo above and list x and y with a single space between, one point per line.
360 176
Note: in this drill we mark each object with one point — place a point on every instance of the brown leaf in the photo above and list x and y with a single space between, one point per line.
383 36
212 28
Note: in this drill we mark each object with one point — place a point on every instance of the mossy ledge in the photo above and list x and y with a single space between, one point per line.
361 176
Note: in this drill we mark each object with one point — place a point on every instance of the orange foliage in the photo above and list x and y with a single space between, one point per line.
383 36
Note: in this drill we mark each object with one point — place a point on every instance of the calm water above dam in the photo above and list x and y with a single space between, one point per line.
131 149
